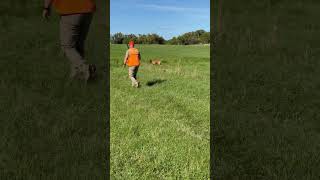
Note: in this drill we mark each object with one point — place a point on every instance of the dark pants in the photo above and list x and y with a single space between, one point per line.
73 33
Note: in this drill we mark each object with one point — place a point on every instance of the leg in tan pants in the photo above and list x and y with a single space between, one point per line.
133 70
73 32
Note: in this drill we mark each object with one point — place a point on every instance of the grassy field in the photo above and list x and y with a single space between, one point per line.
267 91
49 129
161 130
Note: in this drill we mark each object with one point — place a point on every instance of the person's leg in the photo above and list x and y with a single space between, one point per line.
136 68
69 37
130 71
84 29
85 26
131 75
135 75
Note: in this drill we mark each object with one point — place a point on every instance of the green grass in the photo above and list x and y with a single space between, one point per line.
161 130
50 129
266 87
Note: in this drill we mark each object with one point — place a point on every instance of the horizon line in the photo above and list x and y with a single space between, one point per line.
157 33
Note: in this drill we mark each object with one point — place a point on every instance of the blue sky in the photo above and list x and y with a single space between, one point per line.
167 18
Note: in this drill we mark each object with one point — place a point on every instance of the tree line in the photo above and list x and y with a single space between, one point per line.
194 37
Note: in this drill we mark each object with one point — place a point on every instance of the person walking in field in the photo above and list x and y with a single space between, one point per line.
132 60
75 20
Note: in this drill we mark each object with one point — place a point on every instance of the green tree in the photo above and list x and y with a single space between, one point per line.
117 38
205 38
195 37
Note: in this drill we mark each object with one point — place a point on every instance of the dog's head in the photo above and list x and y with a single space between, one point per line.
155 61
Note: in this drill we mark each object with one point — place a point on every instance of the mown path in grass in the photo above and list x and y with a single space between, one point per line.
161 130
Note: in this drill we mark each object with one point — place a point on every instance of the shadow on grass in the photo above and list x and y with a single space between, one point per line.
154 82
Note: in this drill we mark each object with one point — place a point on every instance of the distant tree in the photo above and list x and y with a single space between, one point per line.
130 37
200 32
189 38
173 41
117 38
195 37
156 39
205 38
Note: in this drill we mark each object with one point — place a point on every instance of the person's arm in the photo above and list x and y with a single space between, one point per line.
126 58
139 56
47 9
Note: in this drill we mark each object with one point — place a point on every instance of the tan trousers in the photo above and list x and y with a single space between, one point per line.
73 32
133 70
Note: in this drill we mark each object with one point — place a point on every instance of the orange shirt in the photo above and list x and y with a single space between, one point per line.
65 7
133 57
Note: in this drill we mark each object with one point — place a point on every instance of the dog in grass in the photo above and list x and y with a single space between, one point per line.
155 62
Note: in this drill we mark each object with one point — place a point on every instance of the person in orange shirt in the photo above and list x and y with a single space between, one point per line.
75 20
132 60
